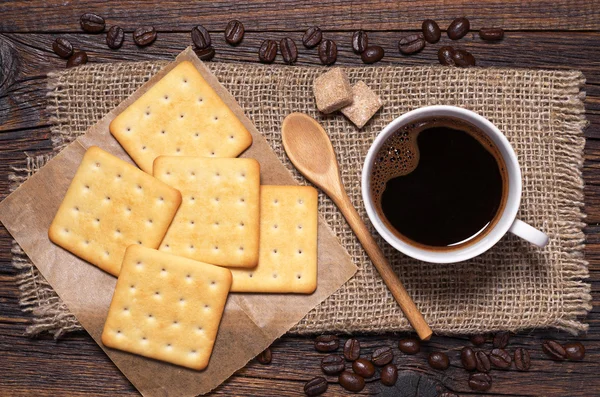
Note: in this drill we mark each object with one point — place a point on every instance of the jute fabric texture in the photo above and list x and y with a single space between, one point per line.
513 286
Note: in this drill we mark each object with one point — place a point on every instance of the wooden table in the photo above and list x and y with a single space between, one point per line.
559 34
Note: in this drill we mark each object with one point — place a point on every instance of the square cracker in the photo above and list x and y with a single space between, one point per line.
166 307
288 243
110 205
218 221
181 115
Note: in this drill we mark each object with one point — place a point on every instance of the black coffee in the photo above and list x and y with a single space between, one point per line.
439 182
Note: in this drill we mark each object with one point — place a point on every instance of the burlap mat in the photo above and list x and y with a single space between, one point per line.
513 286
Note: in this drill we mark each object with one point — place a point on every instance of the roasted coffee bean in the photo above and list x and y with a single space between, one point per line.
144 35
480 381
431 31
327 343
458 28
206 54
267 51
312 37
382 356
446 57
522 359
265 357
62 47
409 346
315 386
575 351
78 58
447 394
234 32
351 382
491 34
438 360
467 358
201 37
477 340
333 364
92 23
289 51
327 52
463 58
411 44
554 350
501 339
372 54
389 375
352 349
500 358
115 37
363 367
482 362
360 41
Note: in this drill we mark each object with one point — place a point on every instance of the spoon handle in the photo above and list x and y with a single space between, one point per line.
388 275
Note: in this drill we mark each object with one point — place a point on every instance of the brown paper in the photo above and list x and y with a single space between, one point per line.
251 322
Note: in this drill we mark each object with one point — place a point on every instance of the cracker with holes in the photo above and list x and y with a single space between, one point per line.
166 307
110 205
218 221
288 243
181 115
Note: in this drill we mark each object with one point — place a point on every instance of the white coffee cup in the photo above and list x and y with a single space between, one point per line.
507 222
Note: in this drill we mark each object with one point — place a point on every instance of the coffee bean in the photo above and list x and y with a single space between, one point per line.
411 44
458 28
351 382
522 359
144 35
363 367
446 57
201 37
480 381
431 31
92 23
78 58
289 51
327 343
482 362
501 339
333 364
267 51
409 346
554 350
438 360
372 54
312 37
575 351
479 339
447 394
491 34
115 37
463 58
234 32
265 357
500 358
62 47
315 386
206 54
382 356
360 41
389 375
467 358
352 349
327 52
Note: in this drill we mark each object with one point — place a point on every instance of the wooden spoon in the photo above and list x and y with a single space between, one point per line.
309 148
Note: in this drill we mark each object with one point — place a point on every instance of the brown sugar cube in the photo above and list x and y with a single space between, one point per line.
332 91
364 105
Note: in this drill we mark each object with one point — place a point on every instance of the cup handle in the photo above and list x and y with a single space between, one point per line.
529 233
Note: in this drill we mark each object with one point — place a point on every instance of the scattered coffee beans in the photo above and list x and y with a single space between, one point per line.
326 343
351 382
115 37
62 47
312 37
431 31
327 52
289 51
491 34
411 44
482 362
500 358
267 51
477 340
480 381
554 350
363 367
333 364
389 375
372 54
575 351
501 339
446 57
467 358
78 58
144 35
458 28
265 357
438 360
315 386
409 346
201 37
352 349
382 356
92 23
522 359
234 32
360 41
206 54
463 58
